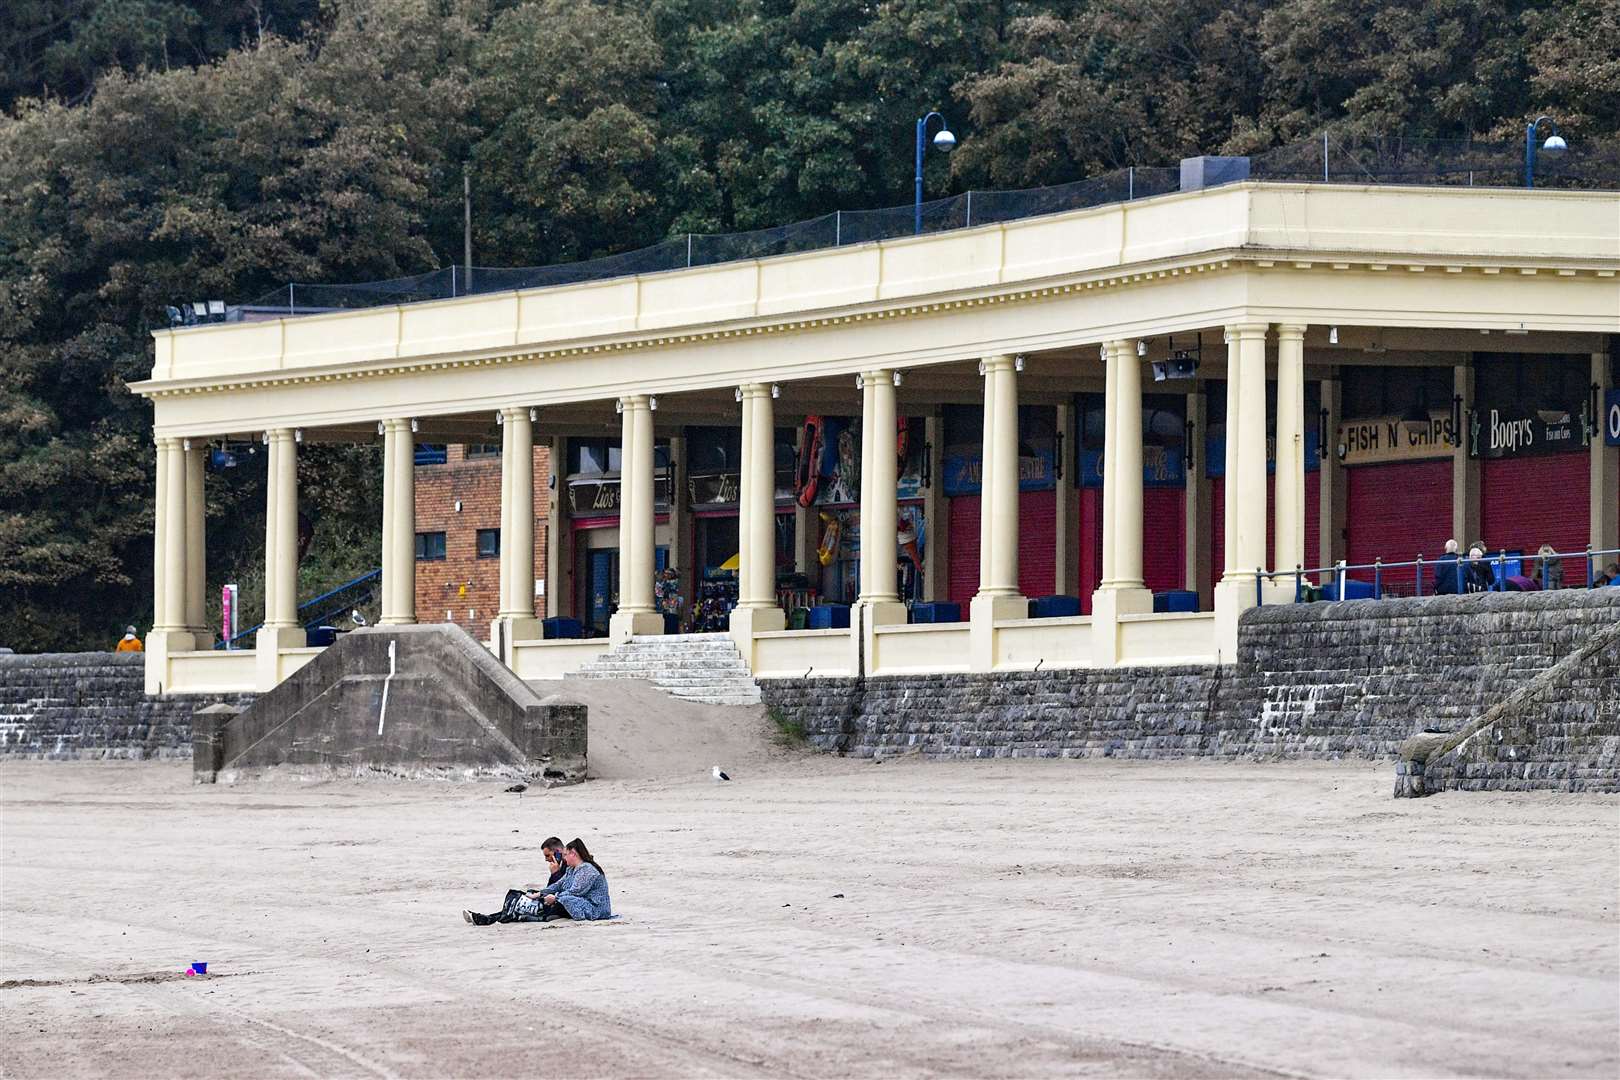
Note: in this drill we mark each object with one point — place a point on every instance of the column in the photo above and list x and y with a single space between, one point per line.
1245 480
281 629
879 485
160 532
1110 488
1289 477
516 595
168 634
1004 482
998 596
1122 591
1603 513
196 545
636 614
756 609
399 524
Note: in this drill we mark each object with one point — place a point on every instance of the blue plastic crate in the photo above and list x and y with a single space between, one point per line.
1054 607
561 627
937 611
829 617
1353 590
1175 600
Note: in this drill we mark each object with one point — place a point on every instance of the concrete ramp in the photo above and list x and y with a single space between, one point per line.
413 701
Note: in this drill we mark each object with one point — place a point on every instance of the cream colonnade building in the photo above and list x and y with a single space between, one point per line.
1286 284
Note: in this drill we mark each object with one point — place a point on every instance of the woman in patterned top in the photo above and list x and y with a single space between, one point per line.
581 893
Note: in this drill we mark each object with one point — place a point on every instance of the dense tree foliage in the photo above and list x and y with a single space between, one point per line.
154 151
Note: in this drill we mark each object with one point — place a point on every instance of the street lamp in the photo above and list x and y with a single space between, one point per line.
1554 147
944 142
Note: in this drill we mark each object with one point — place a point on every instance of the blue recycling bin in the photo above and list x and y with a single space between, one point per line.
937 611
561 627
1175 600
1054 607
829 617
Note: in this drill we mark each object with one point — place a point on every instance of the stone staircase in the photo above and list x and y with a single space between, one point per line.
694 667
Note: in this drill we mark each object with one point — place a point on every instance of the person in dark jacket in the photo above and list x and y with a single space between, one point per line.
1447 571
1477 576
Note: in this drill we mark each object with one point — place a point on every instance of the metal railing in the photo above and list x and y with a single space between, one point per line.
354 593
1498 563
1320 159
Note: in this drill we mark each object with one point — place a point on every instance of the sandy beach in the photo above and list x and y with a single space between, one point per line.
818 917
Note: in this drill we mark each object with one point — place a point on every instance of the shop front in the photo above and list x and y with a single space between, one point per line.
593 492
1037 498
1531 428
1164 491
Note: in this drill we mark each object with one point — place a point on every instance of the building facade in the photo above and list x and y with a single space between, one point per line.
1356 370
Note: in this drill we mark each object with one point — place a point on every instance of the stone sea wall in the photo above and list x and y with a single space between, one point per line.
90 705
1317 680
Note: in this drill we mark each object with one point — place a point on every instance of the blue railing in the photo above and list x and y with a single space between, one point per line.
353 593
1500 564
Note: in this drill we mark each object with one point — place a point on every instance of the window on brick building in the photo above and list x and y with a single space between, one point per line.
478 450
429 546
489 543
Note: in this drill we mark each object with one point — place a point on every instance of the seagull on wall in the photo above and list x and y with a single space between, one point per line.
719 777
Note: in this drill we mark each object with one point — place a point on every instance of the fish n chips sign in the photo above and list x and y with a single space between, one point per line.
1389 438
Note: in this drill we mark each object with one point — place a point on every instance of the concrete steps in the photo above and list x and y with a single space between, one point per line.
694 667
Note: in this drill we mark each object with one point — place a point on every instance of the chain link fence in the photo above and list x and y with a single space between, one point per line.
1324 159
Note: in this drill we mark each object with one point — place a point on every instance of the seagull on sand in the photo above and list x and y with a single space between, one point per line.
719 776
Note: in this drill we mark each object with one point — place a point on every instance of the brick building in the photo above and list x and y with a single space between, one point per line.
458 533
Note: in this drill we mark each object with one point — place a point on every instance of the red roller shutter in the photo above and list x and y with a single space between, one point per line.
1529 501
1313 518
1394 513
1217 528
1037 533
963 571
1090 540
1164 537
1037 542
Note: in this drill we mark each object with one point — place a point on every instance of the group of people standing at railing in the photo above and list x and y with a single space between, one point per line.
1455 573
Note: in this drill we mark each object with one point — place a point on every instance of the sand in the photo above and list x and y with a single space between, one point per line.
995 919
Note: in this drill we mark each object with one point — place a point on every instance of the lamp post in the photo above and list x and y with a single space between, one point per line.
1553 147
944 142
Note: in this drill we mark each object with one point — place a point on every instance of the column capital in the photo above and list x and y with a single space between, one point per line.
516 412
166 442
1291 331
280 434
629 402
1122 347
1235 331
754 390
1003 362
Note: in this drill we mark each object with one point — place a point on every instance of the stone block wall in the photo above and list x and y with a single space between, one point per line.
91 705
1318 680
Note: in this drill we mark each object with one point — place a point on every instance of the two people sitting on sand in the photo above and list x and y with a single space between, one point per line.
577 889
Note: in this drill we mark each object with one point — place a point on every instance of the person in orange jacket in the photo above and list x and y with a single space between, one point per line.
129 642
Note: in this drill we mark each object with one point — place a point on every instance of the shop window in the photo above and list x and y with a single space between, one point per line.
483 450
713 450
489 543
429 546
1536 383
592 457
431 454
